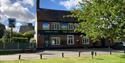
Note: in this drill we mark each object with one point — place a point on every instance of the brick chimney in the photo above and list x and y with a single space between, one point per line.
37 4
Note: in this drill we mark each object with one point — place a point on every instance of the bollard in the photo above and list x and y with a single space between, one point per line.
92 53
62 55
110 52
95 53
124 51
41 56
79 53
19 57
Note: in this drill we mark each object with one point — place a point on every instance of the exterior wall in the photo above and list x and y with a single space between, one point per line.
63 42
40 41
77 40
47 15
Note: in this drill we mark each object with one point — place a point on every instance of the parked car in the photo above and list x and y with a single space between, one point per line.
119 45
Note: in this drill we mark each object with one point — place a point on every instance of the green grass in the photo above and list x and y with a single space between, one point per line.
115 58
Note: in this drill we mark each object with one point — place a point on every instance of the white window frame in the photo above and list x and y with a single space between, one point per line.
55 26
85 41
71 26
69 43
57 38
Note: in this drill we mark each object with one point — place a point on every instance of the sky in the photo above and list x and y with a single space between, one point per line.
24 11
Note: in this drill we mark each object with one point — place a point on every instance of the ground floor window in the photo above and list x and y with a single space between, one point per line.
85 40
55 40
70 39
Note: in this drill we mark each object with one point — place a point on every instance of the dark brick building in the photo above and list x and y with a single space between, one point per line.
55 29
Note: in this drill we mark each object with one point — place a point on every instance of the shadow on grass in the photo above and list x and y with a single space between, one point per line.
122 56
98 58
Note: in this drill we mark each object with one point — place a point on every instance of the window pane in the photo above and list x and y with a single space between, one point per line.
45 26
71 26
64 26
55 26
85 40
70 40
55 40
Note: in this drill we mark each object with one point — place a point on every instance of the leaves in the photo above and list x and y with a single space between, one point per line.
101 18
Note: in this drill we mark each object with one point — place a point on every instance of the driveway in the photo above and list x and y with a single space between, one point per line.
57 54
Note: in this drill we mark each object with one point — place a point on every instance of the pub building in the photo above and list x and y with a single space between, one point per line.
54 29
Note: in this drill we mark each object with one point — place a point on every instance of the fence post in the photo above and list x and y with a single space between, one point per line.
62 55
19 57
79 53
41 56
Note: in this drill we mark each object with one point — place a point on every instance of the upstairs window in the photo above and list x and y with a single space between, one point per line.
55 26
64 26
71 26
45 26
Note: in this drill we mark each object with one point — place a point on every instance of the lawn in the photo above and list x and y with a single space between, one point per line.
119 58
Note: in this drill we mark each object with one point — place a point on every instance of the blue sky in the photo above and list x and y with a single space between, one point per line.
25 10
52 4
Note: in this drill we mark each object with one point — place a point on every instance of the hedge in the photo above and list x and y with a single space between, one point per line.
20 39
14 39
1 40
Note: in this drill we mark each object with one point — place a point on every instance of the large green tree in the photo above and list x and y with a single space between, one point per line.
2 29
101 18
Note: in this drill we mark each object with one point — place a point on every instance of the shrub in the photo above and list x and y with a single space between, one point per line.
32 40
1 40
20 39
28 35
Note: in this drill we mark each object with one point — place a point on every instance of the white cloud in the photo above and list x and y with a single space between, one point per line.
69 4
17 9
31 2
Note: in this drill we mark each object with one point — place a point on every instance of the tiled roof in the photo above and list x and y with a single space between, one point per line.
54 15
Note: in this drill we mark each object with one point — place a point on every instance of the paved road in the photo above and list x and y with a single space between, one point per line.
57 54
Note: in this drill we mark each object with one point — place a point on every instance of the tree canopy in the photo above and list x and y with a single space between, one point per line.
101 18
2 29
28 35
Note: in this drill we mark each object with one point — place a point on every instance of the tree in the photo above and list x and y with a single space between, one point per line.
101 18
2 29
29 35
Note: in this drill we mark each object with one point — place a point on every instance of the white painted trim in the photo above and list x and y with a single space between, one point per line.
84 39
57 38
72 40
71 26
55 26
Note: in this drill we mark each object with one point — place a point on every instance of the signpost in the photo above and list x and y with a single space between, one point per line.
12 22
